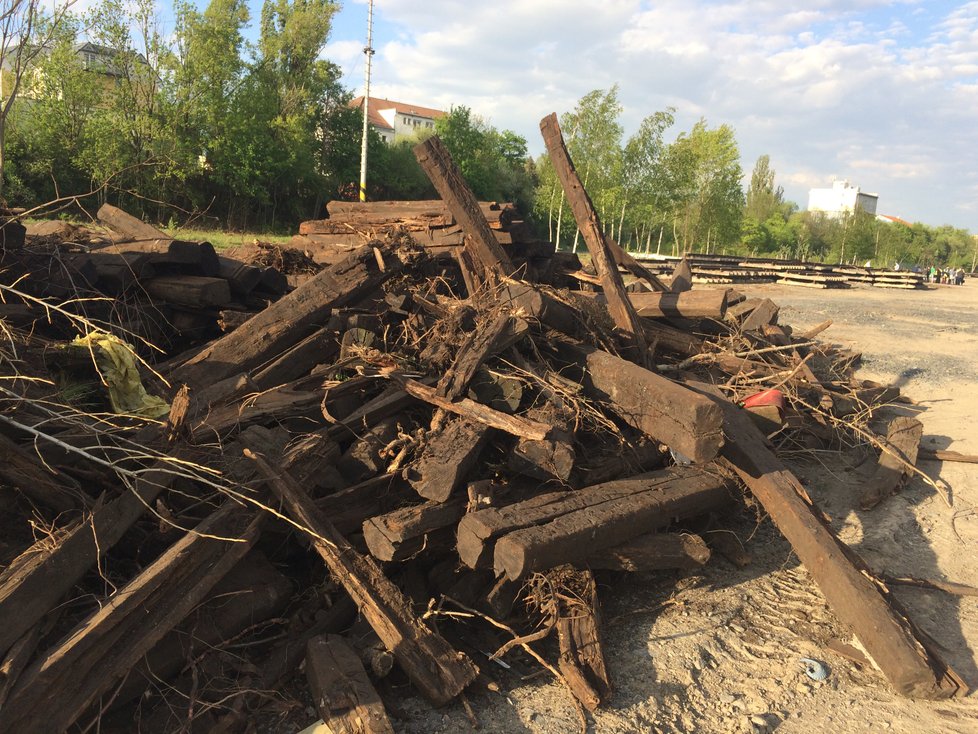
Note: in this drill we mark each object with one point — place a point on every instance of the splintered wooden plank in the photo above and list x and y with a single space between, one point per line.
447 459
437 670
552 458
658 407
103 648
856 596
633 266
488 339
478 413
581 659
900 453
766 312
341 691
620 307
480 242
290 319
531 301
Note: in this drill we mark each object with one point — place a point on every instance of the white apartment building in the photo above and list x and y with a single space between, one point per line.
842 198
390 118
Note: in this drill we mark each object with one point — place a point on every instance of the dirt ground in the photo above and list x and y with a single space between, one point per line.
719 652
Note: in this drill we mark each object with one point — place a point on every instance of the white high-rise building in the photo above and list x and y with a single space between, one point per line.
842 198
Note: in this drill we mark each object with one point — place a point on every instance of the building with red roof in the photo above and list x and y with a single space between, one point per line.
390 118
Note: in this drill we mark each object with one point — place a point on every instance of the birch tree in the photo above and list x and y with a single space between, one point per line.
26 32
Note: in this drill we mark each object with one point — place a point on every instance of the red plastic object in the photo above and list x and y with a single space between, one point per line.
767 397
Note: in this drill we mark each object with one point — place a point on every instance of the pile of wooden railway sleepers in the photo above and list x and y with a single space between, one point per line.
158 289
386 473
733 269
352 224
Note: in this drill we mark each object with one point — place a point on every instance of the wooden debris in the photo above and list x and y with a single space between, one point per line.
912 667
32 587
764 313
568 529
103 648
480 243
439 672
447 459
341 691
479 413
898 457
620 307
573 598
682 277
128 226
290 319
398 535
653 404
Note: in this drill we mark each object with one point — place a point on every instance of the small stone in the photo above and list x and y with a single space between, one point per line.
758 720
738 706
727 698
803 688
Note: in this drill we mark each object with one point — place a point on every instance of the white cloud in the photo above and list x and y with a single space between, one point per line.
863 88
344 53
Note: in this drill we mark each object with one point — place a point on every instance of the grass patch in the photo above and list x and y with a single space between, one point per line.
224 240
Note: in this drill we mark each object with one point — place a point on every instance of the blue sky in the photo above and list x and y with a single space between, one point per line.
882 93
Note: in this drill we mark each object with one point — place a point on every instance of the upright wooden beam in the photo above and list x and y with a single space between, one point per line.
480 243
620 307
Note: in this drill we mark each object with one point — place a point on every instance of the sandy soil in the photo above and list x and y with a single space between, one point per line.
719 652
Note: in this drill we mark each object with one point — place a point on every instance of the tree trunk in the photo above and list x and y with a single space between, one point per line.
3 148
621 222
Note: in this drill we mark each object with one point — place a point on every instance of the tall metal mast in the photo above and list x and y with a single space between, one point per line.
368 52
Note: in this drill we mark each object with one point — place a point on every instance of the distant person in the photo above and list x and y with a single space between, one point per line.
959 278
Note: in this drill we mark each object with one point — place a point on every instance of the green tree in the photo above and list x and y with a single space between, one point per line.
492 162
28 28
642 195
593 135
706 202
764 198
